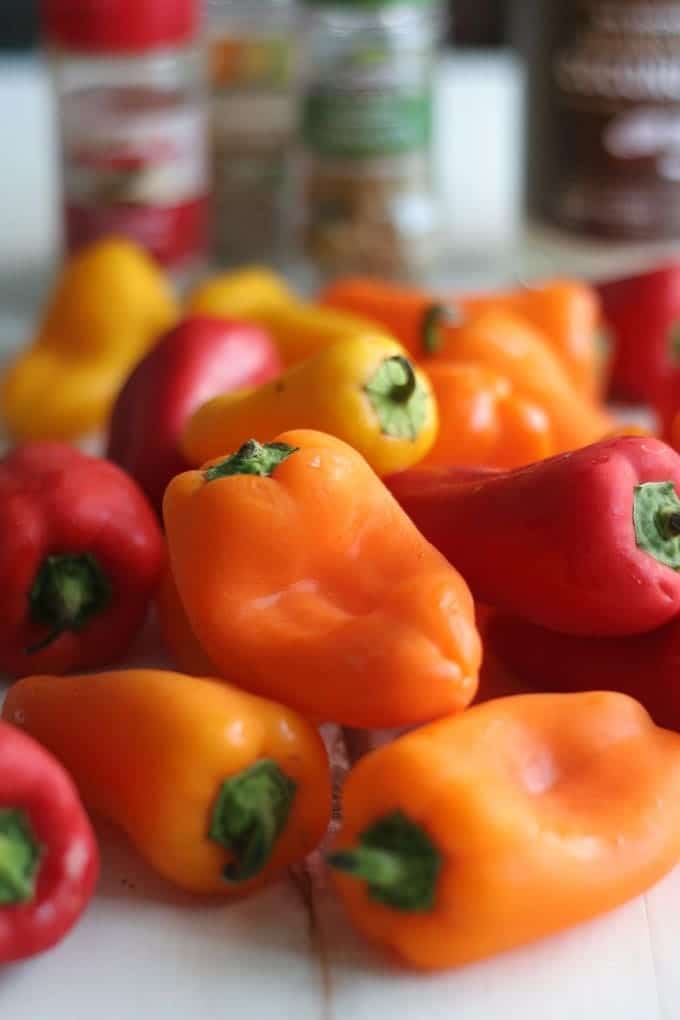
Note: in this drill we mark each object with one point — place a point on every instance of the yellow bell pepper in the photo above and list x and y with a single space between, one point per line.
108 307
365 392
298 329
240 294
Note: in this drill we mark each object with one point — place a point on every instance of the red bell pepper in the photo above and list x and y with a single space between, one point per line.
80 559
585 542
49 860
193 362
645 666
642 315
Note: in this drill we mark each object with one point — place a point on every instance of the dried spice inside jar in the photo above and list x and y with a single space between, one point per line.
369 200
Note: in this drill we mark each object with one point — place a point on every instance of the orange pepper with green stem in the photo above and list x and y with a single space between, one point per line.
364 392
569 317
483 420
520 817
219 790
178 634
304 581
508 345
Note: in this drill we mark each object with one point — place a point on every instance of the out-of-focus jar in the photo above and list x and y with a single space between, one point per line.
617 114
253 59
369 201
130 84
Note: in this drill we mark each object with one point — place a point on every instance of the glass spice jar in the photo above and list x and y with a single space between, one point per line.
253 61
131 103
369 201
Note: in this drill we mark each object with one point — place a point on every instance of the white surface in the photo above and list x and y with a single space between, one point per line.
144 953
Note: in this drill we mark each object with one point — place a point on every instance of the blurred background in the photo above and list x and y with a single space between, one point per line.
524 173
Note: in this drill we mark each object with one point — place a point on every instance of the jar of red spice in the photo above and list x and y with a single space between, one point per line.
133 125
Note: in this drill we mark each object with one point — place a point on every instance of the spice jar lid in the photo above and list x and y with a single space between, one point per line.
119 26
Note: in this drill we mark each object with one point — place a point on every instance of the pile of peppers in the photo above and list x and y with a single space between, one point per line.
407 514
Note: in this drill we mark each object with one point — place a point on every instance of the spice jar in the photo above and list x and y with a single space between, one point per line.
133 124
617 112
369 204
253 59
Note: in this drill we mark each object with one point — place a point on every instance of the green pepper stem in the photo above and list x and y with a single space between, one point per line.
67 591
19 858
252 458
398 861
249 815
656 521
398 398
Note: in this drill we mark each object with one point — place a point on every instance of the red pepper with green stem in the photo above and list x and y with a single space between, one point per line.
584 543
80 559
645 666
49 860
192 363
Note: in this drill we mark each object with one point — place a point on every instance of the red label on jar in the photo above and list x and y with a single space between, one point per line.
135 165
173 234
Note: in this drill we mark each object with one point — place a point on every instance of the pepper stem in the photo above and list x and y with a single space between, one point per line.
252 458
431 328
398 862
398 398
68 590
19 858
656 519
249 815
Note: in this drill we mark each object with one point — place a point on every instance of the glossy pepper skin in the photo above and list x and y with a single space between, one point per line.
645 666
195 361
413 317
642 313
80 559
109 306
569 317
584 543
49 859
219 790
516 819
178 634
364 392
513 348
483 421
295 564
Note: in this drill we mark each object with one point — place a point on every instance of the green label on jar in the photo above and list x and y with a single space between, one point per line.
367 125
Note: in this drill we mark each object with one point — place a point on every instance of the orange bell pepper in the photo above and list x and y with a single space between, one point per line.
178 634
219 790
516 819
414 317
483 421
514 349
304 580
569 317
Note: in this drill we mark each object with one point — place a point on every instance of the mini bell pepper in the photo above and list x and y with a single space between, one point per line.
295 565
81 555
49 860
413 317
109 307
193 362
642 313
513 348
220 791
178 634
585 543
239 294
645 666
568 315
365 392
516 819
483 421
